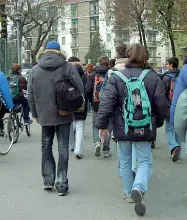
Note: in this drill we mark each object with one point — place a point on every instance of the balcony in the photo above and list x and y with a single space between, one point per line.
117 42
74 31
154 60
94 13
74 45
93 28
152 43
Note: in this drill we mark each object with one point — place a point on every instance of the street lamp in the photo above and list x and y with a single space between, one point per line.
17 16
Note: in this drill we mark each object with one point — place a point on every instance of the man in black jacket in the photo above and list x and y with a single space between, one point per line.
93 88
42 101
170 77
77 128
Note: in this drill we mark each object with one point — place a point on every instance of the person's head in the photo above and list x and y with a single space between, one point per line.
185 61
138 55
16 68
173 63
73 59
112 63
52 45
121 51
89 68
103 61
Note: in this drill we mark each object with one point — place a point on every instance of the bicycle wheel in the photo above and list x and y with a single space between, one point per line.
15 118
28 130
7 136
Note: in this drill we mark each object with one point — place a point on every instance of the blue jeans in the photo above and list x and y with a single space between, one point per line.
48 161
173 139
96 139
134 164
144 170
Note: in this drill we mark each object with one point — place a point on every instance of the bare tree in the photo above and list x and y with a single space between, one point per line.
131 14
37 16
166 20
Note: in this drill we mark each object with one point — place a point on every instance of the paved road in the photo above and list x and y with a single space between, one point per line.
96 190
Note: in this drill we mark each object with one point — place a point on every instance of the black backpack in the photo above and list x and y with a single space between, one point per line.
68 97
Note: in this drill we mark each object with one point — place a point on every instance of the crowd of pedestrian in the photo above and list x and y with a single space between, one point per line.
129 101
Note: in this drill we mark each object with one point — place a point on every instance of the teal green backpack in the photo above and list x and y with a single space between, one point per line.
137 104
13 81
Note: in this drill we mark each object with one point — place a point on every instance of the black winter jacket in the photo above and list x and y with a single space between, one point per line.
166 80
79 67
100 70
113 100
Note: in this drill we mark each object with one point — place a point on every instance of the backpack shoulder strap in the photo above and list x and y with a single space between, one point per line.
65 68
144 74
121 76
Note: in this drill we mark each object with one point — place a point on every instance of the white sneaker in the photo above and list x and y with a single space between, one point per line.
98 150
47 187
107 153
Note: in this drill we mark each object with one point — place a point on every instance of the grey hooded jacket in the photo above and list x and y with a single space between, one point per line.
42 88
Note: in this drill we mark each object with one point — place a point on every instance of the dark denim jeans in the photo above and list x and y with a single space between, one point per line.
22 100
48 161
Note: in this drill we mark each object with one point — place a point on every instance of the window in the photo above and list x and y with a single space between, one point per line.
75 53
55 26
152 37
74 10
109 37
63 25
94 8
109 54
94 23
63 40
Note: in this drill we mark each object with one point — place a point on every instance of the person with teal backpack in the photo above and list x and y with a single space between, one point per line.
135 97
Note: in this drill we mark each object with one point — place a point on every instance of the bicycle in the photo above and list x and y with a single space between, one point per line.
7 135
18 122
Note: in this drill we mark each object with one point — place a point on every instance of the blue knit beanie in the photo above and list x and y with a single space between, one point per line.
53 45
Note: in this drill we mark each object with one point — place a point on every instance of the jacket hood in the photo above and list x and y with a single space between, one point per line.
101 69
174 71
51 59
120 63
79 67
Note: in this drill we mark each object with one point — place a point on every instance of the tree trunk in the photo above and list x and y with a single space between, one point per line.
172 45
140 35
142 29
33 57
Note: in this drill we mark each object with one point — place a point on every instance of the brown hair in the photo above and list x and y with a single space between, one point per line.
89 68
121 51
16 68
112 63
138 55
103 61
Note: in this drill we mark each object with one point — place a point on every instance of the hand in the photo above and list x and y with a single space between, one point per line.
102 134
37 121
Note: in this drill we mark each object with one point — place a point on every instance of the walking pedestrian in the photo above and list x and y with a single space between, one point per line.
170 80
93 88
78 126
50 71
136 98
